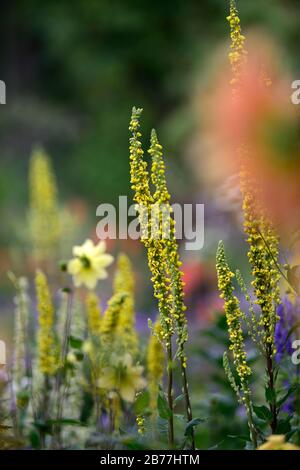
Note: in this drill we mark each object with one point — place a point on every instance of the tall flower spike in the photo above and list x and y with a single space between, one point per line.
155 363
139 174
156 250
111 317
238 54
233 315
263 257
237 344
124 282
93 314
44 219
47 351
169 245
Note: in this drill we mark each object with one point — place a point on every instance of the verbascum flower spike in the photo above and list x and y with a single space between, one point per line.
156 250
93 314
169 245
44 218
155 363
238 54
139 176
111 317
169 252
233 315
124 278
124 283
47 351
263 256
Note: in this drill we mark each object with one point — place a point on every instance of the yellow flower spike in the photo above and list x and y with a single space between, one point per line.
44 219
238 54
124 283
111 317
93 314
47 351
263 256
89 264
169 245
158 236
233 315
124 278
156 250
155 362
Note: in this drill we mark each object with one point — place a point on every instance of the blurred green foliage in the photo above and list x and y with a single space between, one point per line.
74 69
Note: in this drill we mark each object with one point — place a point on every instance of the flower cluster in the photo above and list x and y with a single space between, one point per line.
93 314
167 231
158 236
124 283
155 362
111 318
287 313
44 218
47 353
263 258
238 54
233 315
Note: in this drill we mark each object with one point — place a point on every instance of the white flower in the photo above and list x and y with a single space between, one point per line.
89 263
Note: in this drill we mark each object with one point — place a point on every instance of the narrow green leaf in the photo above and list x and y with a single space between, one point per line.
191 424
163 407
262 412
142 402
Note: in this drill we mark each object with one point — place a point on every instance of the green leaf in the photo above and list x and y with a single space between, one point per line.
66 422
75 343
283 426
178 399
270 395
283 399
191 424
142 402
262 412
34 438
163 407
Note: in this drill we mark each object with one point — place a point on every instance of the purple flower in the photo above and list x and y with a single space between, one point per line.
283 343
288 313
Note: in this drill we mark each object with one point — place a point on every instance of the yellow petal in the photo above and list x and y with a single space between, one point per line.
74 266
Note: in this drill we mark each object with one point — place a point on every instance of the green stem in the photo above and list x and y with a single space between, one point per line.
252 429
188 407
271 385
59 377
170 394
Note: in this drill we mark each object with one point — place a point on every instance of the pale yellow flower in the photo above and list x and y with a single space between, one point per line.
123 377
277 442
89 263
